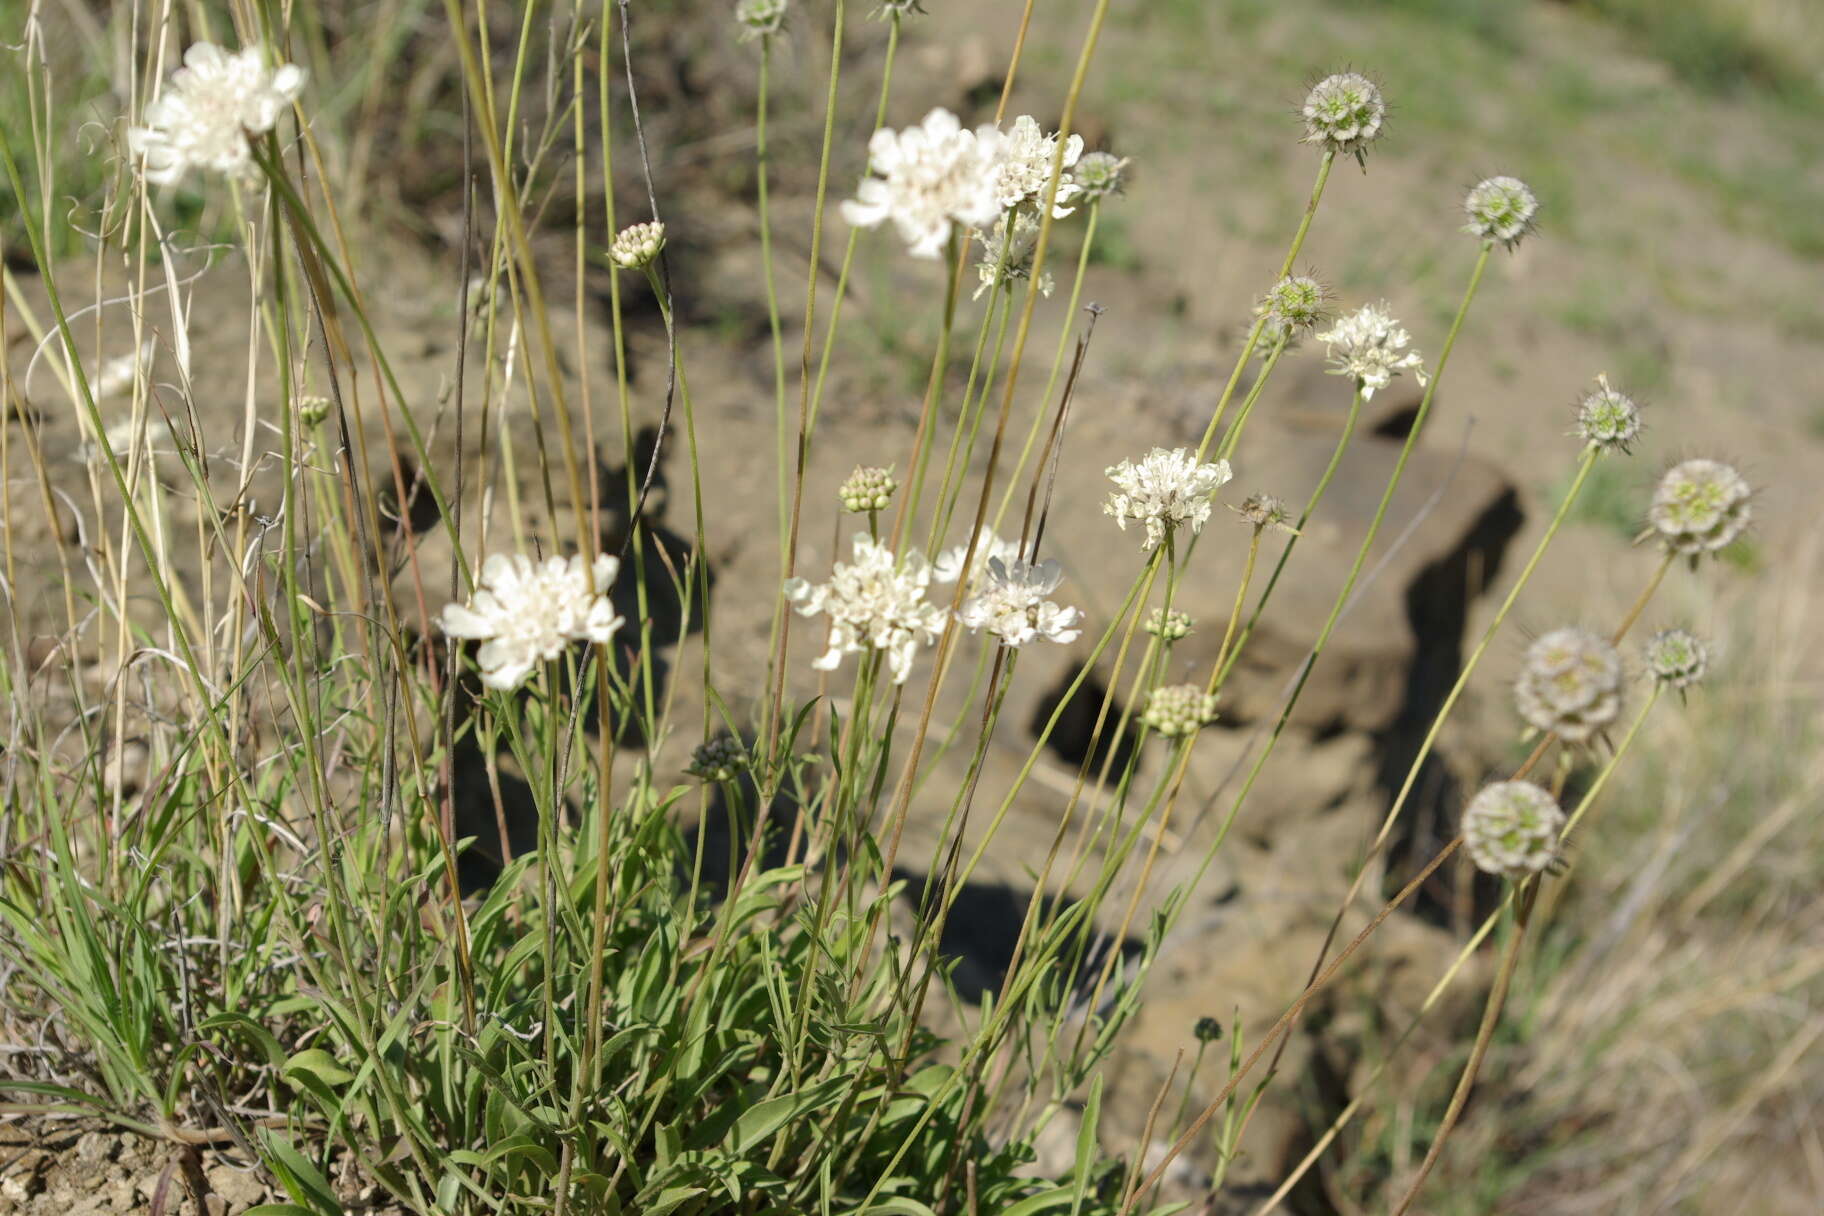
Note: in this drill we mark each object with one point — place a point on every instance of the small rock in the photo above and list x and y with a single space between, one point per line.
126 769
96 1147
239 1188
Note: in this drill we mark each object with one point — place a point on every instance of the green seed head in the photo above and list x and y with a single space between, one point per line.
1608 419
1677 658
1511 828
1501 209
760 18
1570 684
1344 113
1700 507
1100 174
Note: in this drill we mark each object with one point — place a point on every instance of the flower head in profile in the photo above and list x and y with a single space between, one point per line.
1099 175
929 178
1344 113
1607 419
526 612
1007 252
1369 346
1501 209
1699 507
1570 684
1166 488
1022 173
1012 604
760 18
1510 828
874 602
988 547
209 111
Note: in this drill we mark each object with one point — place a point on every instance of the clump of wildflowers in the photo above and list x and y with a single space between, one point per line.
1022 172
1291 309
874 602
635 246
1700 507
1511 829
1344 113
760 18
1570 684
1501 209
1179 709
1369 346
210 111
1099 175
1607 419
719 759
1169 627
867 489
1012 604
929 178
1677 658
1165 489
526 612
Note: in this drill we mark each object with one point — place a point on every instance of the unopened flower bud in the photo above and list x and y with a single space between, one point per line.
867 489
636 246
1179 709
718 759
1168 626
1207 1030
312 411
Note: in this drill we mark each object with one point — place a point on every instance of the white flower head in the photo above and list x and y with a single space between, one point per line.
1007 252
1012 604
528 612
929 178
1165 489
1023 173
635 246
874 602
988 547
210 109
1370 346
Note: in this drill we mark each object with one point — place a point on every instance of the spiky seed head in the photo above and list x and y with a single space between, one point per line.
760 18
1511 828
1294 307
718 759
1170 626
1265 511
1608 419
1700 507
1179 709
635 247
1570 684
1501 209
1100 174
1344 113
312 411
1677 658
1207 1030
867 489
891 9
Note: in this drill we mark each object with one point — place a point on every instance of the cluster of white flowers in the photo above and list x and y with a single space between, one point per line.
1165 489
526 612
1012 604
635 246
929 178
1007 253
1022 169
1370 346
874 602
209 110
